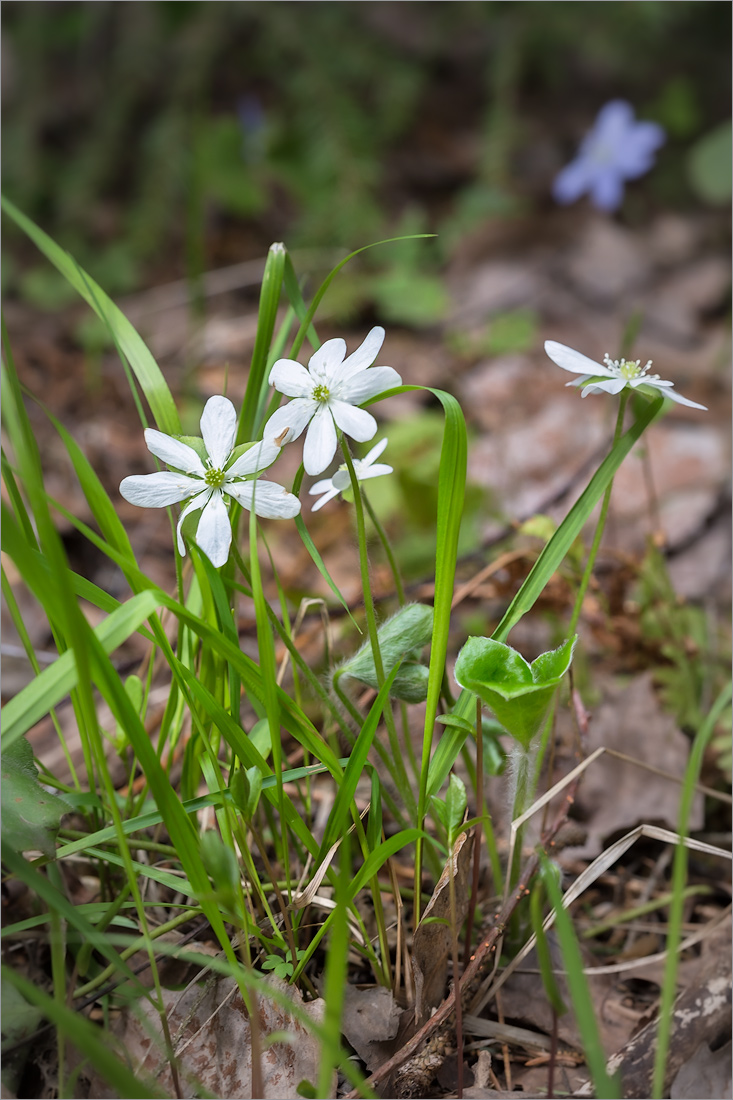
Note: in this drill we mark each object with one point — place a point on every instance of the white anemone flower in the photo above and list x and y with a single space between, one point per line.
326 396
612 375
203 484
363 468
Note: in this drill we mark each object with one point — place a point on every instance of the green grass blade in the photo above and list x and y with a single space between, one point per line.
337 819
555 550
26 873
148 820
296 297
320 566
126 337
58 679
381 854
679 876
87 1038
272 282
604 1086
99 502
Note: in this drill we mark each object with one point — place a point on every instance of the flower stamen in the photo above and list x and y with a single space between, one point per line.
629 368
321 393
215 478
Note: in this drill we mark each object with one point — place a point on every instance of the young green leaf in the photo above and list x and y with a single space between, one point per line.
31 815
518 693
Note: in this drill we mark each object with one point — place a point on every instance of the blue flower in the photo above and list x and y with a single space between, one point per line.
618 148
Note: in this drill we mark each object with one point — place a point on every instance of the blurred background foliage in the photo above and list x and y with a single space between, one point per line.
161 139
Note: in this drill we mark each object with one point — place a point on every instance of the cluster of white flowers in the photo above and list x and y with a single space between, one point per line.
325 397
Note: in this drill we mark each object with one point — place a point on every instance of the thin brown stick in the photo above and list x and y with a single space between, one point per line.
477 832
504 1049
553 1058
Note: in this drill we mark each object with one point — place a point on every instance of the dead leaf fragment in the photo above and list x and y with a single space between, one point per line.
615 795
706 1074
370 1017
211 1034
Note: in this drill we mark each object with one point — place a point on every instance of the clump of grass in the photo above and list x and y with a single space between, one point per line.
235 848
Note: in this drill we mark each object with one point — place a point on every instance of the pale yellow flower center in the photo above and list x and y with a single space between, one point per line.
214 478
629 369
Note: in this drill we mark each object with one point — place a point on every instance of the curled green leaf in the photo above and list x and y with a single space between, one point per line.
517 692
401 638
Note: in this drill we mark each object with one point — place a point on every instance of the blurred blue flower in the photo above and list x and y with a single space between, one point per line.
252 122
618 148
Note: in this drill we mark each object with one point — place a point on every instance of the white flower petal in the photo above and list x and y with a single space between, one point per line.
373 455
271 501
378 470
572 360
193 506
680 399
357 423
320 441
342 480
291 378
368 383
159 490
173 452
323 486
214 532
219 429
610 385
258 457
325 499
291 419
325 363
363 357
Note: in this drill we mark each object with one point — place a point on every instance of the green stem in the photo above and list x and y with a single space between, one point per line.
600 526
371 620
524 762
400 590
399 587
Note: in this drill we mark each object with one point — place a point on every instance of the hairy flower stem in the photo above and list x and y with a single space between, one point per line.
399 587
600 526
401 774
523 764
400 590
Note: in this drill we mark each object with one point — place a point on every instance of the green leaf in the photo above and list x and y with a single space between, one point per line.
709 166
246 787
221 864
31 815
554 552
518 693
455 805
401 638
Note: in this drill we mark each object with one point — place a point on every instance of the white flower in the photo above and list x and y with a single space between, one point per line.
612 375
363 468
203 484
326 397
